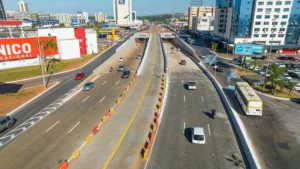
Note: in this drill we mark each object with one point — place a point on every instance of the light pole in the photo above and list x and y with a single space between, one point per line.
272 37
41 59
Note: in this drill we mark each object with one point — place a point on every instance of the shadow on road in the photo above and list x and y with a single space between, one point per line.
208 114
9 88
188 134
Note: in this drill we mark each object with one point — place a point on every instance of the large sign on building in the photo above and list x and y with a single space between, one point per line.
248 49
23 48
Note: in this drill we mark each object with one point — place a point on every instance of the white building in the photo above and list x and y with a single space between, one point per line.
91 41
86 17
203 23
122 11
100 17
64 18
68 45
199 11
22 6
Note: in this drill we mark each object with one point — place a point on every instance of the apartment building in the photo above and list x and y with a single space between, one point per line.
198 11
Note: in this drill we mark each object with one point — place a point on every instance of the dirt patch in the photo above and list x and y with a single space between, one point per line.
11 101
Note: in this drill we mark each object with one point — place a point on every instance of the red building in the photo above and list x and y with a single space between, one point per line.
80 35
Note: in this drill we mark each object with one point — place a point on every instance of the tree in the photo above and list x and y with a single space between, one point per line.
280 83
214 46
51 63
253 64
291 86
275 75
33 26
62 25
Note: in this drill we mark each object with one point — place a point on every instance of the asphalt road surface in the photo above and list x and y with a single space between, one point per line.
186 109
67 83
275 134
53 139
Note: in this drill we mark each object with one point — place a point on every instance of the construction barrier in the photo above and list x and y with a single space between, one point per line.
157 122
95 130
157 115
130 84
127 88
76 154
122 95
107 115
111 110
88 139
135 76
64 165
154 128
152 137
118 101
104 119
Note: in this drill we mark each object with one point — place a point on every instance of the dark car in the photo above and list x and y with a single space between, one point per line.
88 86
294 75
6 122
291 58
125 74
121 68
282 58
79 76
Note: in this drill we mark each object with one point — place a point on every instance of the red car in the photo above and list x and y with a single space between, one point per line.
79 76
291 58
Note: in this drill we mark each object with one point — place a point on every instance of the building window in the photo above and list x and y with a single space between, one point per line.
276 16
267 17
273 29
278 3
259 9
285 16
269 10
256 29
272 35
277 9
264 35
282 29
265 29
257 23
256 35
266 23
288 3
281 35
260 3
274 23
258 16
283 23
286 9
269 3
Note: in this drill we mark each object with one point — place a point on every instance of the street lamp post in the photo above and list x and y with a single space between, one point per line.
41 59
265 77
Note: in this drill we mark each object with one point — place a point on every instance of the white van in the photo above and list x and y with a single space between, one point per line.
198 136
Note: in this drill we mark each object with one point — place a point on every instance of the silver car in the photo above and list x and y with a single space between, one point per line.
6 122
88 86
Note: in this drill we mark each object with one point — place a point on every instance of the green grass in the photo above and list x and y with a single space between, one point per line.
283 94
33 71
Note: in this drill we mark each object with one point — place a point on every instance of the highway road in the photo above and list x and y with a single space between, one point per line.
67 83
192 108
275 134
53 139
119 142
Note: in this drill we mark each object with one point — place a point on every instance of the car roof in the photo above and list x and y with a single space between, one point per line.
198 130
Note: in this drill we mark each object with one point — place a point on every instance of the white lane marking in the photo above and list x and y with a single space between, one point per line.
102 99
74 127
202 98
104 82
208 129
85 99
183 127
197 81
117 82
184 98
182 82
52 126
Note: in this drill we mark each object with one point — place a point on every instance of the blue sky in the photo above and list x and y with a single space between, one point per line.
143 7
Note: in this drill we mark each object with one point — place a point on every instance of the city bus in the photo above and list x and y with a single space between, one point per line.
248 99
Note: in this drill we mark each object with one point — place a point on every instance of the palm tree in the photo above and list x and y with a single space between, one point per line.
280 83
52 62
62 25
275 74
291 86
253 64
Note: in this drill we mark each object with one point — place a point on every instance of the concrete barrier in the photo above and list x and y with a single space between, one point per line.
245 144
76 154
146 52
96 129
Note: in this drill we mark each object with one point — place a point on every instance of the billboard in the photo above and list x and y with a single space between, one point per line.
121 2
75 21
23 48
249 49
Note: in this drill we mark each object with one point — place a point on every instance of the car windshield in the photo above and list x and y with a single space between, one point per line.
78 74
198 137
192 83
88 84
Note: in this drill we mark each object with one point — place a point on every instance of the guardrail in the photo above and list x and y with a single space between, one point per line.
244 142
164 54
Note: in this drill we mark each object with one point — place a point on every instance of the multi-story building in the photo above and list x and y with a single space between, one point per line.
100 17
198 11
203 23
66 19
2 11
86 17
18 15
42 16
258 21
122 11
22 6
133 15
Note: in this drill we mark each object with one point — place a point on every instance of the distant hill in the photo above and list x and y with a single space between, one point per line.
160 17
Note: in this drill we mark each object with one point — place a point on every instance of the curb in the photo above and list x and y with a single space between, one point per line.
66 70
274 97
32 99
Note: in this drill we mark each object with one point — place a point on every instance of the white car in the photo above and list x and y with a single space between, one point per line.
297 87
191 85
178 49
286 77
121 59
198 136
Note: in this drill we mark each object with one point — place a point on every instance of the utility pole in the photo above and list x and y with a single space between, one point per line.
41 60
